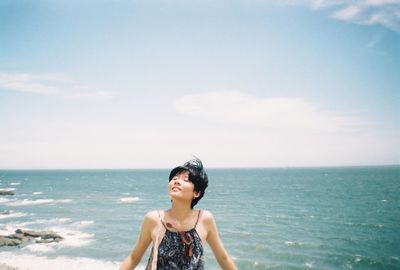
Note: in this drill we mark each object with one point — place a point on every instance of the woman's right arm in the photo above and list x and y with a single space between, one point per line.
133 259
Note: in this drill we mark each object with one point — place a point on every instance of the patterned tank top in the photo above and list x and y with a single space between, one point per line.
179 250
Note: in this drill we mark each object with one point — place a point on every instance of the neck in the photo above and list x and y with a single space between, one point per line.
180 210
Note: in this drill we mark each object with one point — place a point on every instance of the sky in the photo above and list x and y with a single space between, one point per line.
240 83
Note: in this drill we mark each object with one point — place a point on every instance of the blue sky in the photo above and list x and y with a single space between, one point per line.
148 84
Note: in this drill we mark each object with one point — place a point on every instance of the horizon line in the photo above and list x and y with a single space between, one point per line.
217 168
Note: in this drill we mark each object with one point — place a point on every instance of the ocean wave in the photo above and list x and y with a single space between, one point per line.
37 262
25 225
52 221
37 193
12 214
7 189
15 184
25 202
360 262
72 237
309 264
41 248
129 199
7 230
5 200
294 243
83 223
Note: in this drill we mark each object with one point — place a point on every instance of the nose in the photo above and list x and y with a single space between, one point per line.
177 181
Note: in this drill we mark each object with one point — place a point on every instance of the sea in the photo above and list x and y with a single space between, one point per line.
268 218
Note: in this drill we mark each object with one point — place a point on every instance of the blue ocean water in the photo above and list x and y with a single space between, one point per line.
274 218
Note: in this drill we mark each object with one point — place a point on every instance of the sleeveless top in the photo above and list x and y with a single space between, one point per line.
179 250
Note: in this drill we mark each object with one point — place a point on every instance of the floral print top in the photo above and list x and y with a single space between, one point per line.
179 251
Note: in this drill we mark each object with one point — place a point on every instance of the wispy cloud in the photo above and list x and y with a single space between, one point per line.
38 84
348 13
275 113
51 84
367 12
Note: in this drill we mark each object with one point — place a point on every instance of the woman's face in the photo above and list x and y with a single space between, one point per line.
181 188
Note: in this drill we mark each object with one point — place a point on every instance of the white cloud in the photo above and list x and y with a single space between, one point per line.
325 3
56 84
28 83
367 12
347 13
381 2
274 113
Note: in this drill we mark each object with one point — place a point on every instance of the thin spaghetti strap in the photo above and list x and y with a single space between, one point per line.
159 216
198 216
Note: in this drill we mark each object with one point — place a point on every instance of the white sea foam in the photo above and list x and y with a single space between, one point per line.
53 221
30 202
129 199
292 243
37 193
7 189
22 224
41 248
309 264
37 202
73 238
4 200
15 184
12 214
63 201
62 226
37 262
83 223
7 229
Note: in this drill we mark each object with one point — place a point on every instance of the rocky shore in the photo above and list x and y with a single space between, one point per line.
23 237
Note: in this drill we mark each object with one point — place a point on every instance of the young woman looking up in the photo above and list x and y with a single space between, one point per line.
179 233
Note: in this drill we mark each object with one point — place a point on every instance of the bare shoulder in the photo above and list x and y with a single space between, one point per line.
207 217
151 218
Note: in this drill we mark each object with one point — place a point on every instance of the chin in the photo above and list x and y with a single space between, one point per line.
172 196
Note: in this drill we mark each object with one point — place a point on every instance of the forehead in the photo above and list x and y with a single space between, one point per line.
182 173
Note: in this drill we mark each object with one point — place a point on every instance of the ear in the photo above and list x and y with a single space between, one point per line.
196 194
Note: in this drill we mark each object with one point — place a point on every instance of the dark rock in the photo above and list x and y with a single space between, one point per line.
19 236
44 241
6 241
23 237
6 192
41 234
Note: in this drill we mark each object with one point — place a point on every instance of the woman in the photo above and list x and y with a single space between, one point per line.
178 233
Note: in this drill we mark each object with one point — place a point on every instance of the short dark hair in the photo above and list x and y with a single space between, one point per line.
197 176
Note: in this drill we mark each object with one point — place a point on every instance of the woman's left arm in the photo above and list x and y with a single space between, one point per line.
214 241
